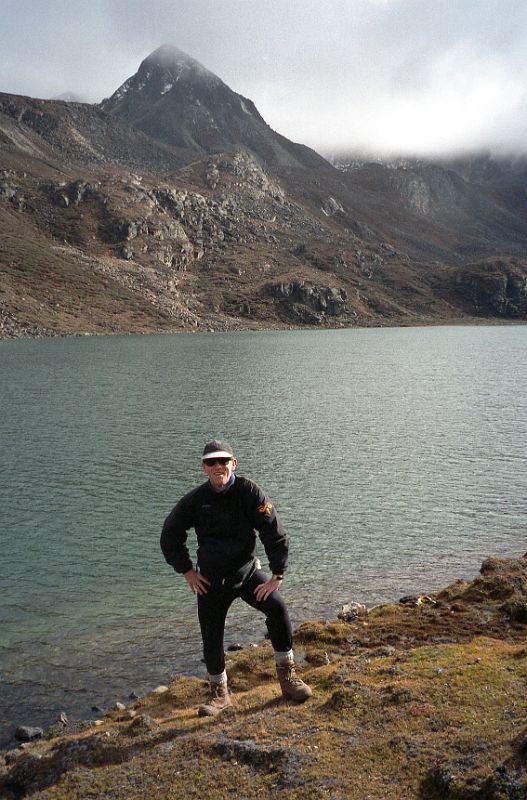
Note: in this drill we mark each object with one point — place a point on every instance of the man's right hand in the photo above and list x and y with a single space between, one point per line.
196 581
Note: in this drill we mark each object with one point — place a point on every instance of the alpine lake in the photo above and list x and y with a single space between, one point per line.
396 457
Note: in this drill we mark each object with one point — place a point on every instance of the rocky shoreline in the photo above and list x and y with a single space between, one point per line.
424 698
12 328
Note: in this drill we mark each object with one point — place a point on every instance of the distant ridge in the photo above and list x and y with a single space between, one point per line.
70 97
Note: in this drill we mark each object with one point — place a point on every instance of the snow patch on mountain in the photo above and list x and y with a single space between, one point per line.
331 207
122 90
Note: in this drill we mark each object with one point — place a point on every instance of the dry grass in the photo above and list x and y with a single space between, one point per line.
400 711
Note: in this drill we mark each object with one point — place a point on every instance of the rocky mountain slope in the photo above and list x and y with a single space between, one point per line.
467 207
420 699
173 206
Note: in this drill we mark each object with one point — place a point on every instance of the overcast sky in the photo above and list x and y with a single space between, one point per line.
377 76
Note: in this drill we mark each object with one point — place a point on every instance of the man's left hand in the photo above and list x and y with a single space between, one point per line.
263 591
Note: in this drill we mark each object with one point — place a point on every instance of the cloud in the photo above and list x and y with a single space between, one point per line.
453 102
372 75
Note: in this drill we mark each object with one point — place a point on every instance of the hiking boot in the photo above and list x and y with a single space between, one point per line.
292 687
218 700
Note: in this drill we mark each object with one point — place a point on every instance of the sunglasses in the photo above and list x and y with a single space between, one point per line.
210 462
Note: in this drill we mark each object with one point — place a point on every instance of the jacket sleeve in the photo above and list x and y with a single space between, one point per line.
270 529
174 536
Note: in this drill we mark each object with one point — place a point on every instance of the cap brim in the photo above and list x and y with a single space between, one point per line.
217 454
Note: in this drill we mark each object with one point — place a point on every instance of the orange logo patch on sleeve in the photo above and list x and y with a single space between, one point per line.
265 508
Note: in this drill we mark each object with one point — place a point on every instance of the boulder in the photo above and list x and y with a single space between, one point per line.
517 611
142 724
352 611
7 190
26 733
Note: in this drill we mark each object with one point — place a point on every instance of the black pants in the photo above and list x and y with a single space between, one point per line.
212 612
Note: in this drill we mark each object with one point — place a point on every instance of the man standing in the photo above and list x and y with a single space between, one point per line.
227 512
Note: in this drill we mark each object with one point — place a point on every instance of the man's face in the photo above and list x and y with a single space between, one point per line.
219 471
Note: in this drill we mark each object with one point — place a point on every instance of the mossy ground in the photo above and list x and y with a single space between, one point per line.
399 710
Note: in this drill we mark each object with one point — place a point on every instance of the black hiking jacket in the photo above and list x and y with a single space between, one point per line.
226 525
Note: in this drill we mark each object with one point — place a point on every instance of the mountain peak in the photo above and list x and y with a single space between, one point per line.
168 56
176 100
176 64
158 74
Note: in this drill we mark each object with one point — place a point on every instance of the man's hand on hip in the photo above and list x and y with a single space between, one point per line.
196 581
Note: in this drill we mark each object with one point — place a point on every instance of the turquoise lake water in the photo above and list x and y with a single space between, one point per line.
396 457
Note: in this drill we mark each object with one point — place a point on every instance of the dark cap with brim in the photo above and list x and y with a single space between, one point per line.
217 449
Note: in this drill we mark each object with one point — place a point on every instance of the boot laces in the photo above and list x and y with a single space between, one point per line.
215 691
291 675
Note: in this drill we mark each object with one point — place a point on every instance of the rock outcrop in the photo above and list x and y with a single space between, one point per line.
494 288
308 303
